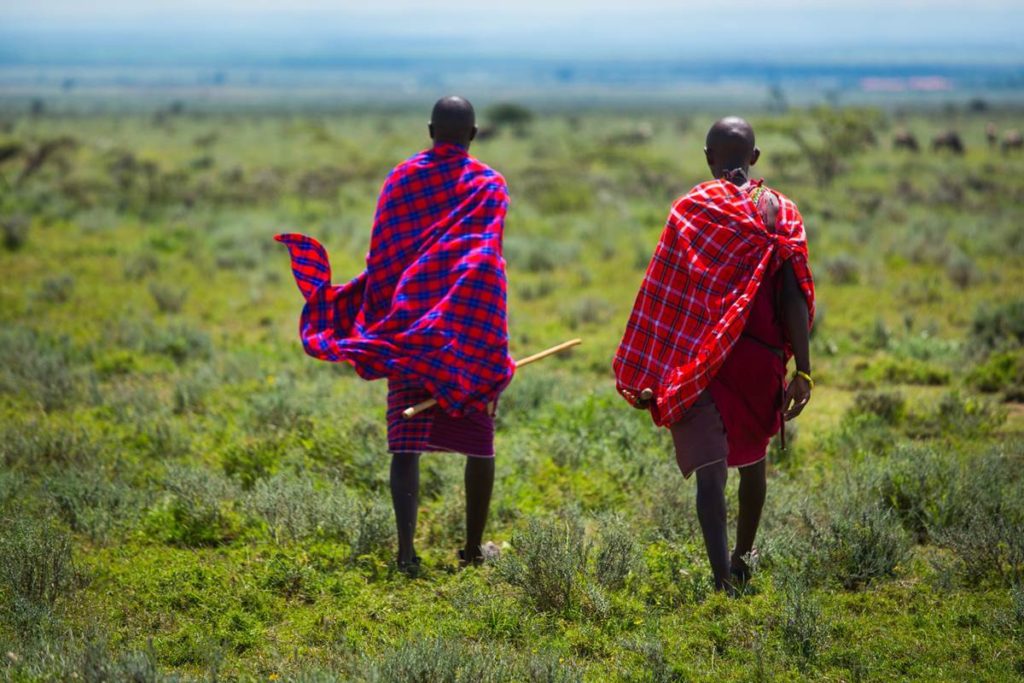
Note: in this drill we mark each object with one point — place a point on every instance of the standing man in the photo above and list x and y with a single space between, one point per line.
428 313
727 299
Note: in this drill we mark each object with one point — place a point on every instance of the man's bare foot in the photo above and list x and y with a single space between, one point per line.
488 552
411 568
741 569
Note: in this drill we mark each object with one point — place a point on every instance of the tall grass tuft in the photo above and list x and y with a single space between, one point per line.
373 530
801 624
38 367
36 568
37 444
94 502
617 553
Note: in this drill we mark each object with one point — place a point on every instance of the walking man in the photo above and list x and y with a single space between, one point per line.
727 300
428 314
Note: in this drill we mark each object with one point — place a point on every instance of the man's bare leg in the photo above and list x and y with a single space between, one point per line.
479 480
753 485
711 512
405 493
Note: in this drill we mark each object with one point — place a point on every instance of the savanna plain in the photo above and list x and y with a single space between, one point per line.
184 495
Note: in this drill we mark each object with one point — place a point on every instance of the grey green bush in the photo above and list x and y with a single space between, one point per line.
548 562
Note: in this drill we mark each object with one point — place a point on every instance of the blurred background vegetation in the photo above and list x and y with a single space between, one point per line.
185 496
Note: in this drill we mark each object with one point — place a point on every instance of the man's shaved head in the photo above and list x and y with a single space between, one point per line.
453 120
730 146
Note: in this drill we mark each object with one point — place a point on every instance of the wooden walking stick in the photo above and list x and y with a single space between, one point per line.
430 402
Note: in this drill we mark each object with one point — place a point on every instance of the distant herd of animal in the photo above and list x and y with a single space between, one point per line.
950 140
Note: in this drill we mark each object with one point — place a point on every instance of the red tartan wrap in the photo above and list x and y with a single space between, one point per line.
696 295
431 304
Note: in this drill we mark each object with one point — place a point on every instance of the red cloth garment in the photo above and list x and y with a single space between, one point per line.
747 390
698 292
431 305
433 429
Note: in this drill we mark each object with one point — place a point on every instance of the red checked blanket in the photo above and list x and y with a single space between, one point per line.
431 305
697 293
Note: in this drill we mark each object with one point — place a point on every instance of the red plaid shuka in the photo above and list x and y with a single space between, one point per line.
431 304
697 293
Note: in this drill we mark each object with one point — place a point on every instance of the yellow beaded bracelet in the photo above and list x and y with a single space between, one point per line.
806 376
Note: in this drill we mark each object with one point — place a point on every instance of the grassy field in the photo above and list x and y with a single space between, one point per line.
185 495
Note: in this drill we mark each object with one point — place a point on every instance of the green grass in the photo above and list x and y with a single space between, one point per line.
184 494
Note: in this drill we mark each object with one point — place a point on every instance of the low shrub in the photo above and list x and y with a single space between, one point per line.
670 504
90 661
1000 372
11 484
802 624
158 436
115 363
961 271
439 660
924 346
56 290
373 530
141 264
93 501
252 460
854 541
190 391
37 444
294 508
617 552
178 341
843 270
281 408
862 543
196 510
923 487
890 370
15 231
1017 606
97 665
537 255
859 436
168 298
957 416
449 660
587 310
998 327
988 546
889 406
38 367
548 562
36 568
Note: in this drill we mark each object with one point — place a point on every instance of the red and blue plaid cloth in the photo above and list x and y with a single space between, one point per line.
431 304
698 290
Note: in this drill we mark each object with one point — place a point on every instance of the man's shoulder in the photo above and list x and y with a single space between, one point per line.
703 194
782 199
487 172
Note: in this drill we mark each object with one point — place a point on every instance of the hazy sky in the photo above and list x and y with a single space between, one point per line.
538 27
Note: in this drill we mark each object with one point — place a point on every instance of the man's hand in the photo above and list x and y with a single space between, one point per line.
641 401
798 393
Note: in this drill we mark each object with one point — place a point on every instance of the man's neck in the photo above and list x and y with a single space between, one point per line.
452 143
736 176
